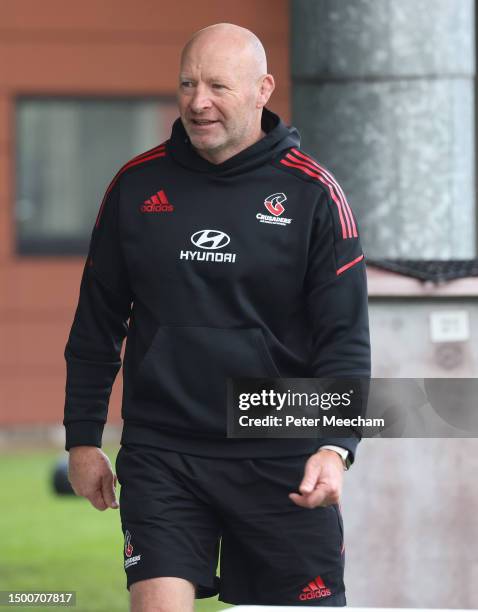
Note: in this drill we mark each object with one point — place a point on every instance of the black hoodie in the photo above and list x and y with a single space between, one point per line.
248 268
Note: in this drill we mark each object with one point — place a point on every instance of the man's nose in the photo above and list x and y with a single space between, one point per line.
201 99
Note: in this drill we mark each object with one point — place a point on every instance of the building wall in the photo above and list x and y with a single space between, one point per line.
112 47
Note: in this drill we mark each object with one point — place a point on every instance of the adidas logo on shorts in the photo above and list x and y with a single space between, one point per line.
316 589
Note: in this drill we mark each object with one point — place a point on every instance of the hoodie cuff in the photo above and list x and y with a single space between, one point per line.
349 444
83 433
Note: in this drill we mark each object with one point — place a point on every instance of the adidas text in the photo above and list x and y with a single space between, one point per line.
315 594
150 208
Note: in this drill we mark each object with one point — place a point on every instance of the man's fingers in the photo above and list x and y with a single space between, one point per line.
319 497
311 476
97 500
299 500
108 490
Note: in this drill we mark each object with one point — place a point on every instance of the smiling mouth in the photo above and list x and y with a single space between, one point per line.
203 122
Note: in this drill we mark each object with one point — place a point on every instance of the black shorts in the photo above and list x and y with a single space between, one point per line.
181 513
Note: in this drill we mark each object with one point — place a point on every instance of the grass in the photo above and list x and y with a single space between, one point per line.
51 542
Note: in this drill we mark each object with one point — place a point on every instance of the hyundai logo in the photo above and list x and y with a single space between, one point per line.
210 239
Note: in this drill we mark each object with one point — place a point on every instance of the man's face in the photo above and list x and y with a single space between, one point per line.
217 98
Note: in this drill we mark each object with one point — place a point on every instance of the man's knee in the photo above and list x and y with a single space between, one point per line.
165 594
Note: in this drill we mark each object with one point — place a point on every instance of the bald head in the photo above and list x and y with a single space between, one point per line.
223 87
230 39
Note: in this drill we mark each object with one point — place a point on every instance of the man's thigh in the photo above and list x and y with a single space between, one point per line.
274 552
165 594
168 530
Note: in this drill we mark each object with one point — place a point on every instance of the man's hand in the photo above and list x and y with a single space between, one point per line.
322 482
91 476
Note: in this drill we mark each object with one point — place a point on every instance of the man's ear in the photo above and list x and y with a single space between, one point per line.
267 86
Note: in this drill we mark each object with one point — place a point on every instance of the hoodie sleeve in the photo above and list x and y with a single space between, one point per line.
99 327
336 289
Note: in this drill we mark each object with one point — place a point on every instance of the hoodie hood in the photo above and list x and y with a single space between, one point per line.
278 137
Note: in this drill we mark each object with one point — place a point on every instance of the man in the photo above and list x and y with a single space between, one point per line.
233 254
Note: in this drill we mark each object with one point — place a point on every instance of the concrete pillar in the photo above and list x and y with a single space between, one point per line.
383 94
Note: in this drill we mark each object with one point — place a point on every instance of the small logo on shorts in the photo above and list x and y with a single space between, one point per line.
316 589
128 547
128 551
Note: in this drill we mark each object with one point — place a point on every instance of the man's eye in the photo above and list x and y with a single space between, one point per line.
218 86
186 84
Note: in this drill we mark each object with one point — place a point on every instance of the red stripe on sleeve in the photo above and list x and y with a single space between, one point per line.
336 186
333 186
350 264
344 199
314 174
134 162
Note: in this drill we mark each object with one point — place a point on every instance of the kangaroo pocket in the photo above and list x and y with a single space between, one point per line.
183 375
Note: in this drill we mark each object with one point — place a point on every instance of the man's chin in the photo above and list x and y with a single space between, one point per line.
206 145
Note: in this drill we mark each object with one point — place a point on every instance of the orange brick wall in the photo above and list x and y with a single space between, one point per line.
93 47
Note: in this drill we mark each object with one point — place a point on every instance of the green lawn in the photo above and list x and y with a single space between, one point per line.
51 542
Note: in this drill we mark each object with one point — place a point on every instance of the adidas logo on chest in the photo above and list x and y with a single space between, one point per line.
157 203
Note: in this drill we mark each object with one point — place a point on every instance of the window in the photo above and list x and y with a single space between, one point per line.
68 150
